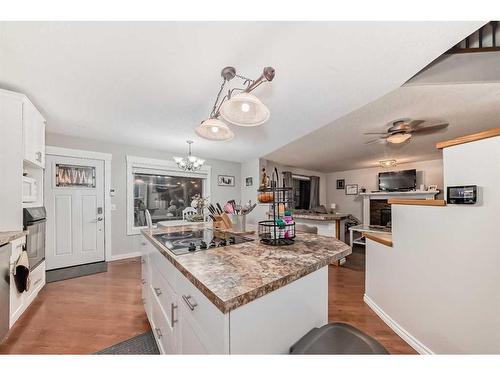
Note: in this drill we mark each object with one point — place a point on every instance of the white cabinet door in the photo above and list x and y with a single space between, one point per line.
11 162
33 135
16 299
189 340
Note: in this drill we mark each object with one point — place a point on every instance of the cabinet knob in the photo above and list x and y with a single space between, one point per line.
38 156
157 291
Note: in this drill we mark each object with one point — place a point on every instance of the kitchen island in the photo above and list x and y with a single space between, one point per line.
246 298
331 225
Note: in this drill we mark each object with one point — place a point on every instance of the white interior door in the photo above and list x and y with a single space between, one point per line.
74 200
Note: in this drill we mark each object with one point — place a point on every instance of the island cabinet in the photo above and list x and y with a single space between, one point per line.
192 313
183 320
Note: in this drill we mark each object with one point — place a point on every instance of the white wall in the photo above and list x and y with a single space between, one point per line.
269 165
252 169
440 282
123 244
428 173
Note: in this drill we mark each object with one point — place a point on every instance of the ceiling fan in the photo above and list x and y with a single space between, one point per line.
401 131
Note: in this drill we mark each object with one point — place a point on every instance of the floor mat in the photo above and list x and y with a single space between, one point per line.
141 344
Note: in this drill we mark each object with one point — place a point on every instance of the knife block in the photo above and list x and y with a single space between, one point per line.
222 222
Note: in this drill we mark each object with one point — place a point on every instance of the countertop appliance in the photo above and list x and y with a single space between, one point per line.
4 289
34 219
461 194
187 241
398 181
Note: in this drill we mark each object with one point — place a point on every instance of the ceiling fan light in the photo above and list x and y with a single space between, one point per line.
398 138
387 163
214 130
244 110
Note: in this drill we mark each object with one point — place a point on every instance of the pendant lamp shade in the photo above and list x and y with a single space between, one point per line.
214 130
244 110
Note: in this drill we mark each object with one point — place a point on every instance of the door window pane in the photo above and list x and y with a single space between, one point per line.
75 176
164 196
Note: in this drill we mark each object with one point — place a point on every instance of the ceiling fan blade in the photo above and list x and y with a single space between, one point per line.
375 133
415 124
374 141
430 129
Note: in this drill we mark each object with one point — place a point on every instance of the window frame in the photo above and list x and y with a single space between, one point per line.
157 166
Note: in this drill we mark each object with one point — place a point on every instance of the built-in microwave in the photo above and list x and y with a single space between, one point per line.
30 190
461 194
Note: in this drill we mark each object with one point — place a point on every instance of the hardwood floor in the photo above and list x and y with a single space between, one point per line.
87 314
345 303
82 315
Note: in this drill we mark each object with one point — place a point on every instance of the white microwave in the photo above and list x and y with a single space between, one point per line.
29 190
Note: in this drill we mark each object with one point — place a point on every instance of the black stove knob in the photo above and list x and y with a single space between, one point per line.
222 243
203 245
192 247
232 240
212 243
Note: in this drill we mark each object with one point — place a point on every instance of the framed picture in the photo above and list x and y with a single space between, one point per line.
340 184
249 181
351 189
223 180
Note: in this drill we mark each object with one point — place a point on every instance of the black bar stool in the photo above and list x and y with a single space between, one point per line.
337 338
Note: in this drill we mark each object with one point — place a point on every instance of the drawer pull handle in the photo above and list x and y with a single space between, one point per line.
172 314
157 291
143 261
190 304
143 243
158 333
38 156
143 281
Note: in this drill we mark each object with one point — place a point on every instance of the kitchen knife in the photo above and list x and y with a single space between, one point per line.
219 208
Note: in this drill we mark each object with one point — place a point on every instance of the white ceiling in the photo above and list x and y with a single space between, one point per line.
468 108
151 83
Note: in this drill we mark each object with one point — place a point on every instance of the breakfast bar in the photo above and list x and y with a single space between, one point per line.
229 299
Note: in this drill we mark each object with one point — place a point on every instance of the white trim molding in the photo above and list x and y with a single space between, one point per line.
83 154
158 166
400 331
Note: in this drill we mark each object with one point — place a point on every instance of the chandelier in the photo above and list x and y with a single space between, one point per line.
190 163
237 107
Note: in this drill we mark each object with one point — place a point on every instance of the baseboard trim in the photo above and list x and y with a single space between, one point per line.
134 254
400 331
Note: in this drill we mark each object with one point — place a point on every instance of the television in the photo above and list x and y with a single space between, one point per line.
398 181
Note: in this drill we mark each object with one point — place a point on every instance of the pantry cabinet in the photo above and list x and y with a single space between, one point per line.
33 135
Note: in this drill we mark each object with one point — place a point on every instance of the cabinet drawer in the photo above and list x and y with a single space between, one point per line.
165 295
37 281
163 331
162 265
208 323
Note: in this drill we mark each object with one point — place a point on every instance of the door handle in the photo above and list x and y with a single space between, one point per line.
172 313
190 304
158 333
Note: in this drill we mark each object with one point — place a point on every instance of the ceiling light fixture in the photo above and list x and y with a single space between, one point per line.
190 163
237 107
387 163
215 130
398 138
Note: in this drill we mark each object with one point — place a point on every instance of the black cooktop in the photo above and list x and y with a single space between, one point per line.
187 241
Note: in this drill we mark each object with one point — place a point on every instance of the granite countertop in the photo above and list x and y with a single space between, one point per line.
234 275
320 217
6 237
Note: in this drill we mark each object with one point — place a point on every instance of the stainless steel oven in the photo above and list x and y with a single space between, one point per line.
34 219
